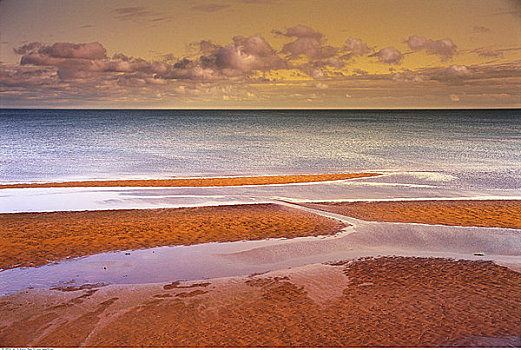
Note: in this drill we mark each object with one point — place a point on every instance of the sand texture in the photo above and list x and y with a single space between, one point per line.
199 182
389 301
33 239
482 213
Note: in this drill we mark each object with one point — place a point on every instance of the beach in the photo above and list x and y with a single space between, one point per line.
415 298
392 301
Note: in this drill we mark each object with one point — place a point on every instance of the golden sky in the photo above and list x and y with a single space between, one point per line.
260 54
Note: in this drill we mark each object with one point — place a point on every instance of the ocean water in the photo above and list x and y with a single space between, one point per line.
480 148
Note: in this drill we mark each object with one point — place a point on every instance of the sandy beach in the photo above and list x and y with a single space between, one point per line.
390 301
372 301
199 182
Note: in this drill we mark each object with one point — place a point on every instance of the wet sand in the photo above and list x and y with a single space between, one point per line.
482 213
391 301
34 239
199 182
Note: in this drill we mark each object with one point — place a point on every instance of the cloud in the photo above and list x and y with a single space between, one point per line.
356 46
360 71
75 61
454 98
243 56
89 60
458 71
480 29
259 1
453 74
408 76
210 7
90 51
309 42
301 31
138 13
83 71
487 53
444 47
236 60
22 50
389 55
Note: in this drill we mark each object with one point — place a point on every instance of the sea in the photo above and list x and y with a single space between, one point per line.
459 152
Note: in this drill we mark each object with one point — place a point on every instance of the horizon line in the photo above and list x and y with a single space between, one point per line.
265 109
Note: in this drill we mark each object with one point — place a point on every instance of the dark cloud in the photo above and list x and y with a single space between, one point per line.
90 51
210 7
493 53
16 76
130 13
487 53
360 71
444 47
480 29
22 50
389 55
139 13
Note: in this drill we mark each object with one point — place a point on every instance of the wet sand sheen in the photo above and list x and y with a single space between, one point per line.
34 239
390 301
199 182
482 213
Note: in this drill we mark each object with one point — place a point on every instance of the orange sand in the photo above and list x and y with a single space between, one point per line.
203 182
392 301
484 213
29 239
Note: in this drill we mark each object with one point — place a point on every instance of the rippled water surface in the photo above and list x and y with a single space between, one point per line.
480 148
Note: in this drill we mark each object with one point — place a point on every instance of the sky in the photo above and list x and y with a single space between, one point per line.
260 54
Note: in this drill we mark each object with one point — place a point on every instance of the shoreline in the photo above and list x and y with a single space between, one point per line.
199 182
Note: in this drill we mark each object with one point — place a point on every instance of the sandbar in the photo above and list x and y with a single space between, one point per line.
481 213
35 239
198 182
